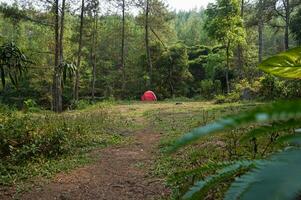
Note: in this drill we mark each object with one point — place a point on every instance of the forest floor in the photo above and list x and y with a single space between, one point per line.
134 170
119 173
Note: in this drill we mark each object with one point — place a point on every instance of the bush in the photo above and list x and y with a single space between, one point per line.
229 98
30 105
209 88
22 140
80 105
272 88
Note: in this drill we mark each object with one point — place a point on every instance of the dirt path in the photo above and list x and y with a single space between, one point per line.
120 173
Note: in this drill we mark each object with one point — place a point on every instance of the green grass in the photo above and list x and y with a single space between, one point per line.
105 124
174 120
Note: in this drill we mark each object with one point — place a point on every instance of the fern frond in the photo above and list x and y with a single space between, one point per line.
271 128
201 187
204 169
279 178
294 140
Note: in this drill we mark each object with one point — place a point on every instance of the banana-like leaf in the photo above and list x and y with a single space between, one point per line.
13 63
282 110
286 64
279 178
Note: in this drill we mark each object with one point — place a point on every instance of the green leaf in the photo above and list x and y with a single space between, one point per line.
286 64
271 128
226 173
277 179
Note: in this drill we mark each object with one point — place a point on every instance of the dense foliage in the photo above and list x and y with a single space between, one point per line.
197 53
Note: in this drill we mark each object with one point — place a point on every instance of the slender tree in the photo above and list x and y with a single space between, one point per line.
56 90
123 46
260 30
147 39
224 24
79 53
94 42
284 9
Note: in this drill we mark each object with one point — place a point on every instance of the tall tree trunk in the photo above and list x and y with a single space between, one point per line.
260 41
240 49
287 23
148 53
228 66
242 9
123 46
56 88
260 31
79 53
94 43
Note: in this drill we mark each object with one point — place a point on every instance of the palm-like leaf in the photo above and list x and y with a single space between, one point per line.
277 179
12 63
287 64
277 126
223 174
68 69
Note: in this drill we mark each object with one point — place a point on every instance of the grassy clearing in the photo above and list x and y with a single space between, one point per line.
106 124
180 169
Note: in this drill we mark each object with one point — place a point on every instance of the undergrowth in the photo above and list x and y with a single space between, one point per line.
41 144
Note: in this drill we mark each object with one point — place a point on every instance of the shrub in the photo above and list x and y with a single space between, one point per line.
22 140
30 105
209 88
272 87
80 105
229 98
247 90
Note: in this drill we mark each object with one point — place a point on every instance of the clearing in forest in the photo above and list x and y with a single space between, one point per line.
130 170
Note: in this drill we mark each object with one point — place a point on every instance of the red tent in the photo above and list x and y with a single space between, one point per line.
149 96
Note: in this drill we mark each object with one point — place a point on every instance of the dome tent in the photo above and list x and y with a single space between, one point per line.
149 96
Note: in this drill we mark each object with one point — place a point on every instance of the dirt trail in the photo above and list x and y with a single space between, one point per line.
120 173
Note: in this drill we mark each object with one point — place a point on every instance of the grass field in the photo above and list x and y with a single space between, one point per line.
107 124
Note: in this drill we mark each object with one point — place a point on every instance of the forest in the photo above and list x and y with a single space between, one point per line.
76 123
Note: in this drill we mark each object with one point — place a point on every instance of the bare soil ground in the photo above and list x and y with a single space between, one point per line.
120 173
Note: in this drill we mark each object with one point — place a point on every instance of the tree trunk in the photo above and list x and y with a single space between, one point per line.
123 46
287 23
79 54
240 49
56 88
94 43
148 53
228 66
242 9
260 31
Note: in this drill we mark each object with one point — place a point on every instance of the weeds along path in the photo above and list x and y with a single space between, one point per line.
119 173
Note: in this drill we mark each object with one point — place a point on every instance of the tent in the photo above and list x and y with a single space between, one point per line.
149 96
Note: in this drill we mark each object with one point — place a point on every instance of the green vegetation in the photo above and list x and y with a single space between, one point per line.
280 123
73 71
44 143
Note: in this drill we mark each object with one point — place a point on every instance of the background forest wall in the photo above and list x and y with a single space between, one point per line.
187 62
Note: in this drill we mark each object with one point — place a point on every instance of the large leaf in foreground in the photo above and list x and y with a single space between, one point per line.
283 110
202 187
277 179
286 64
